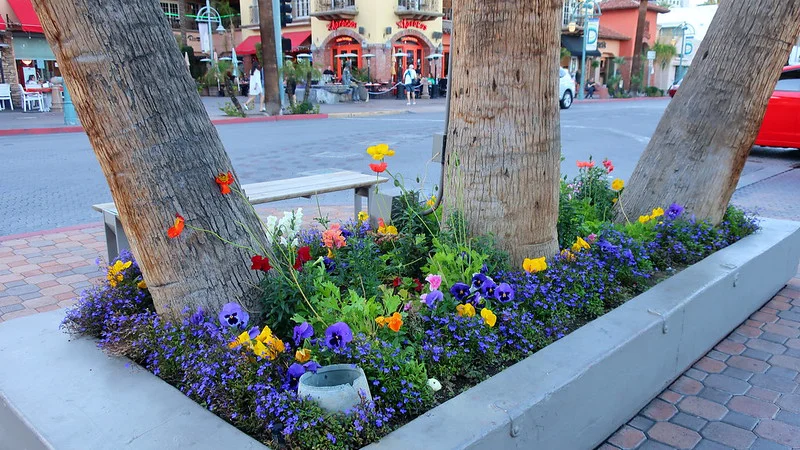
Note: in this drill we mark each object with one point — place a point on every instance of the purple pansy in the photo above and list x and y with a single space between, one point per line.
302 332
338 335
232 315
330 264
674 211
489 288
504 292
478 279
432 298
294 373
311 366
460 291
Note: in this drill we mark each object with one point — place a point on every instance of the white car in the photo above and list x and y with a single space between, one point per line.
566 88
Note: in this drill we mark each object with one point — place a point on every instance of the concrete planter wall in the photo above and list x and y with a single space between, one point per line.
57 393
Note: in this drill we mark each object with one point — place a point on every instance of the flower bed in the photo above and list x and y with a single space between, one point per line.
426 311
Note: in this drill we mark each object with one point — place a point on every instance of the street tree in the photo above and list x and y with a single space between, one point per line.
269 58
700 146
182 26
157 148
503 144
636 62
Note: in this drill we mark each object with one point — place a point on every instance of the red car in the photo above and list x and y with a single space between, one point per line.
781 126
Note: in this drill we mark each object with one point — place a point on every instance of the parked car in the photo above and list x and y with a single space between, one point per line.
566 88
781 125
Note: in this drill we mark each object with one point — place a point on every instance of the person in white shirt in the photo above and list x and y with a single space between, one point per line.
409 76
256 88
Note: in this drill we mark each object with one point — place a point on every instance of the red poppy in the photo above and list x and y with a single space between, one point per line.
418 286
379 168
224 180
260 263
397 281
303 256
177 228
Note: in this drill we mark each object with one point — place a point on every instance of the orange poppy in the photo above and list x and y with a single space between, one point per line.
395 322
176 229
224 180
379 168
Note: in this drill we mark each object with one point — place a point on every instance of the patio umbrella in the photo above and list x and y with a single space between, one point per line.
186 57
303 56
235 62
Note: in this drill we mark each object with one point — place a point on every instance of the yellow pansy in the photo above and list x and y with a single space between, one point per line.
465 310
489 318
644 219
261 350
431 201
363 216
302 355
265 334
567 255
242 339
141 285
617 184
534 265
579 245
657 212
380 320
380 151
114 275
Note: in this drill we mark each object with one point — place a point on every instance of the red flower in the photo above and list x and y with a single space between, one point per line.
303 256
260 263
177 228
379 168
397 281
418 286
608 165
224 180
585 164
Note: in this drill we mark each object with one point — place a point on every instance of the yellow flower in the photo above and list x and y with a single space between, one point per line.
566 254
265 334
141 285
363 216
617 184
115 275
302 355
579 245
614 200
657 213
489 318
242 339
534 265
431 201
465 310
391 229
380 151
380 320
260 350
644 219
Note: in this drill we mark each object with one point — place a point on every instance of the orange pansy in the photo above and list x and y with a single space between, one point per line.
177 228
224 180
395 322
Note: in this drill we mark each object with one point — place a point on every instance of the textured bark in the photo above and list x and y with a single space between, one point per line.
503 145
701 143
269 58
182 21
159 153
636 63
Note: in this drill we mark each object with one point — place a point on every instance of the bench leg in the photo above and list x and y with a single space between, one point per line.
122 239
357 194
379 207
111 242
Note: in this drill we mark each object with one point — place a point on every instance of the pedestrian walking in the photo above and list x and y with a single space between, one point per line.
409 77
256 88
291 89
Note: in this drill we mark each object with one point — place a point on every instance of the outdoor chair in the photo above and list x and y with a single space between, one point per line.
5 94
29 98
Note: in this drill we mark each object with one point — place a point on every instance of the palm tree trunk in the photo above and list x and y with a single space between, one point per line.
636 63
503 145
307 91
701 143
269 58
182 21
159 153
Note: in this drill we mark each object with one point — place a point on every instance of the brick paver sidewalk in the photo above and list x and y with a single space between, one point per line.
48 270
743 394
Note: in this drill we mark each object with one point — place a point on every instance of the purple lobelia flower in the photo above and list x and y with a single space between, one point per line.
505 293
489 289
232 315
432 298
338 335
478 279
294 373
302 332
460 291
674 211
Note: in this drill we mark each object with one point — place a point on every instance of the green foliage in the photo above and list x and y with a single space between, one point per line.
585 203
361 74
407 254
652 91
565 53
303 108
664 53
453 262
230 110
299 70
281 297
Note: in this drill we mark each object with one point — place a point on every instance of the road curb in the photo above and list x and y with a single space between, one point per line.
347 115
610 100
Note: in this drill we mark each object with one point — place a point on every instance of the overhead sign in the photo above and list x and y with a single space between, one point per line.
336 24
406 23
592 33
688 45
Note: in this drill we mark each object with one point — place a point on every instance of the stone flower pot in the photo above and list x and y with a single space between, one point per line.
336 388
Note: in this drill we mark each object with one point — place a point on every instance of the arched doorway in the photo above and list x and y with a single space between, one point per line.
412 47
344 45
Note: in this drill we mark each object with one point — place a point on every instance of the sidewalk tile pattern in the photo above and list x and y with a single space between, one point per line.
744 394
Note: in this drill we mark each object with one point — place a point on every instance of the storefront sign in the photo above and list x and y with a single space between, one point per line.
601 44
406 23
336 24
592 30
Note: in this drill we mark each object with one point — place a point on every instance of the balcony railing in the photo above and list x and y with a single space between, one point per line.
334 9
300 12
447 20
419 9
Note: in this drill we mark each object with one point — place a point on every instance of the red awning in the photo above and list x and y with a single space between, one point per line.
2 24
248 46
26 15
298 37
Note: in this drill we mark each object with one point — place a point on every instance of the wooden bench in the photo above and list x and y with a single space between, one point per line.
273 191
